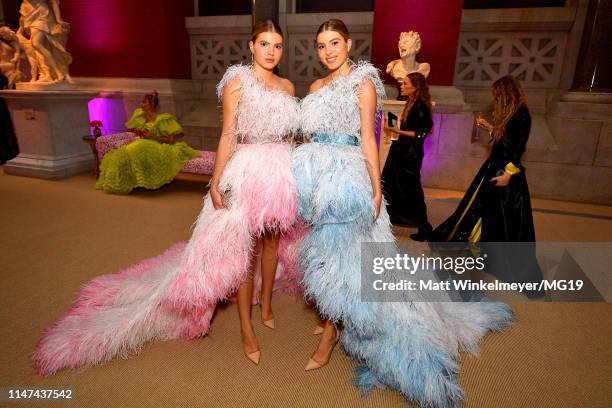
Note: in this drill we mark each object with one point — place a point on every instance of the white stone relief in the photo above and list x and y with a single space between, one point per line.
535 58
211 54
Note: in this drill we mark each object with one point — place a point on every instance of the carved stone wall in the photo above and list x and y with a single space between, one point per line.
534 58
213 53
568 154
217 42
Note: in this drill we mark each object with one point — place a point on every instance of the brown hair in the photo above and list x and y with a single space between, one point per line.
265 26
336 25
421 91
508 97
153 99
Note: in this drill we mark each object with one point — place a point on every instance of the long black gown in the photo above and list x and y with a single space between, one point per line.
488 213
8 141
401 176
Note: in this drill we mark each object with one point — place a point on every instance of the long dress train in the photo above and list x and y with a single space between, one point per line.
411 345
492 215
174 295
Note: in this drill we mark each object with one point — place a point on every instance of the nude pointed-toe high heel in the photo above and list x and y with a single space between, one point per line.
314 364
268 323
254 356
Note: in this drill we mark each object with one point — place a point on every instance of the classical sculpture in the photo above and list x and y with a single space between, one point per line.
47 35
31 55
409 46
10 54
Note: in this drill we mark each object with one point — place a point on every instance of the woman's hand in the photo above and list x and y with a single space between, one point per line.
397 130
503 180
394 129
377 204
165 139
215 195
143 133
482 123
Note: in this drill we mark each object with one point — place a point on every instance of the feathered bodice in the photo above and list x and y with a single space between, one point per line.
334 108
263 115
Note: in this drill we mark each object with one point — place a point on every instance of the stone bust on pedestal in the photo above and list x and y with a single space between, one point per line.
409 46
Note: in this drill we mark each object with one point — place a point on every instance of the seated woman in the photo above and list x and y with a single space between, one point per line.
151 161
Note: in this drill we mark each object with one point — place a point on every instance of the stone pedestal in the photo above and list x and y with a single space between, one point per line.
49 127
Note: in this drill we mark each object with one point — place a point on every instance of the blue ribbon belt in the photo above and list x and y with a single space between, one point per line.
329 138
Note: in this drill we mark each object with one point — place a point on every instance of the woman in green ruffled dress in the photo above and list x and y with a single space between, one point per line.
151 161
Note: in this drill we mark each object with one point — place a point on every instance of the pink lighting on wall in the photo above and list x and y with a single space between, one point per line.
129 39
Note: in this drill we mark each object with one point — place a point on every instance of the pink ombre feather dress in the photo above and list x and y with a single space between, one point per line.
174 295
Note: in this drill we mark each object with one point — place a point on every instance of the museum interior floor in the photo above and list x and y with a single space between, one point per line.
56 235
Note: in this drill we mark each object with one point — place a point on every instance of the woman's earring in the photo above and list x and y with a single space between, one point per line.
252 59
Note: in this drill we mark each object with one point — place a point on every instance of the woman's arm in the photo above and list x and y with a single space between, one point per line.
167 128
409 133
422 125
517 135
367 108
227 142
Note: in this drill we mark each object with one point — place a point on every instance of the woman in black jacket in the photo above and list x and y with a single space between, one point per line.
497 207
401 177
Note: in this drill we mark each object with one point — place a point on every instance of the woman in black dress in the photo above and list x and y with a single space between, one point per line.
497 207
8 141
401 177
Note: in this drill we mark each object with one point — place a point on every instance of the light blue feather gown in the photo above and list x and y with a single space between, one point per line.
411 346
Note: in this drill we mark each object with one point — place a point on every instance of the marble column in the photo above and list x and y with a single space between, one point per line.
594 68
49 126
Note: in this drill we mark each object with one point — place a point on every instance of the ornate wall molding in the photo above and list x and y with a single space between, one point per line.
217 42
535 58
523 42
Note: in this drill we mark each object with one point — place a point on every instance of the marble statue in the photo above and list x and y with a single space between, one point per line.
409 46
10 54
47 35
31 55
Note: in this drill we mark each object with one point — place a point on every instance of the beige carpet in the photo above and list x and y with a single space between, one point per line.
56 235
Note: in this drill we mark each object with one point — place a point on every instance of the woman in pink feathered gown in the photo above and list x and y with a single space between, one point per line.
252 204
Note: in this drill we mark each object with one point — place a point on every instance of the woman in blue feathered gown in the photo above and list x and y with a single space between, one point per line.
412 345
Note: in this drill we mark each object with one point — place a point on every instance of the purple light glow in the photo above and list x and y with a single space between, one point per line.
429 163
110 111
378 127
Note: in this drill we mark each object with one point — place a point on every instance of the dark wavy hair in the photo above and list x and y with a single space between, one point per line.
508 97
422 91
